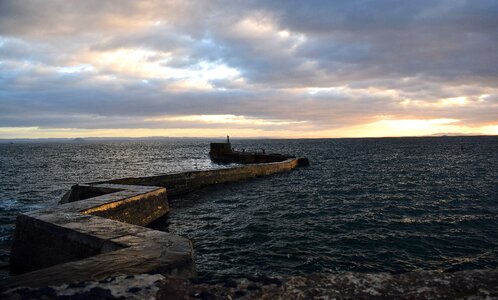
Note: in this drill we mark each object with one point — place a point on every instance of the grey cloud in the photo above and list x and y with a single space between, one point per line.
423 50
83 121
59 17
447 39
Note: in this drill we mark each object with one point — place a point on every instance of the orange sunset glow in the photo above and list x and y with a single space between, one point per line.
190 69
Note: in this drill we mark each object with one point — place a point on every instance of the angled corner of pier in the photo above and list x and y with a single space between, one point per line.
92 238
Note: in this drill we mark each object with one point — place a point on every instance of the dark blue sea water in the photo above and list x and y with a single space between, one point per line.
364 205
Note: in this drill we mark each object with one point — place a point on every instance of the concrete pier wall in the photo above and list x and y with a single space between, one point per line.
98 237
181 183
97 231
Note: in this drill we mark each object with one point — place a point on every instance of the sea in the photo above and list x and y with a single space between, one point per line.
363 205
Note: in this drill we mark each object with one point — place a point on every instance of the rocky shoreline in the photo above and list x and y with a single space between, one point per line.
470 284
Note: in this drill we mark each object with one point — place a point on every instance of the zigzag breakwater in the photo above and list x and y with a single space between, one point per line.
97 230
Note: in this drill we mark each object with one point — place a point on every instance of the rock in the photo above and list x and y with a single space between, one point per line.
469 284
142 286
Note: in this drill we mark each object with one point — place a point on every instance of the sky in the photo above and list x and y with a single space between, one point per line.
284 69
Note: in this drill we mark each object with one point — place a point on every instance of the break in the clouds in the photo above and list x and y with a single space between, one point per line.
248 68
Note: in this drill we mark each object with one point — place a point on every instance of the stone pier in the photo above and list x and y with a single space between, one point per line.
97 230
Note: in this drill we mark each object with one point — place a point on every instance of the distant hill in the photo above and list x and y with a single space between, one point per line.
455 134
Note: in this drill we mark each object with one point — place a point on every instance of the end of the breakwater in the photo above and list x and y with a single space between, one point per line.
224 153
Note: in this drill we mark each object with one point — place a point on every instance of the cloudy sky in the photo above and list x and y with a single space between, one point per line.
248 68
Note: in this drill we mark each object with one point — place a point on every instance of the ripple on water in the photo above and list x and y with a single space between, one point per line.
379 205
363 205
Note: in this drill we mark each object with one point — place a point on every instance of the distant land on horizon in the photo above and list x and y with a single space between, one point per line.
160 138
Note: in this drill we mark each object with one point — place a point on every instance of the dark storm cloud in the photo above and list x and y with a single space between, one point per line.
382 53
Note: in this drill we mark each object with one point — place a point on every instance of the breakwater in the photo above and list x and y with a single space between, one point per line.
181 183
98 229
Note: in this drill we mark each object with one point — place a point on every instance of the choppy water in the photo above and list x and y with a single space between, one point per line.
363 205
36 175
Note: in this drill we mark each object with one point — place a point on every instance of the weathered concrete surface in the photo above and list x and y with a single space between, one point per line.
85 191
224 153
138 287
181 183
140 208
477 284
220 148
72 242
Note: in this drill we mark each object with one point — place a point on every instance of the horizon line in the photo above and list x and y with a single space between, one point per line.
96 138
